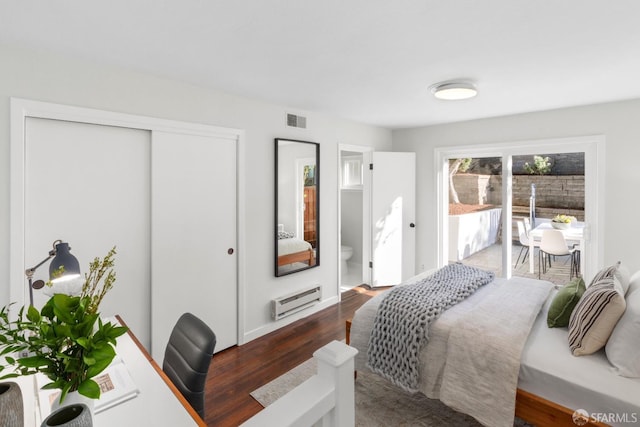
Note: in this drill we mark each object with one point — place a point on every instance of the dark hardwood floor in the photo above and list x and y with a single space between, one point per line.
237 371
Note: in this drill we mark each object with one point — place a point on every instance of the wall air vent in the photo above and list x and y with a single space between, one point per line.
295 121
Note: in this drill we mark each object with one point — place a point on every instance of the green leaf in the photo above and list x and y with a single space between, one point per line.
83 342
33 361
86 327
61 330
117 331
64 390
7 350
64 307
90 389
103 351
45 330
98 367
50 386
12 375
89 360
101 357
33 315
47 309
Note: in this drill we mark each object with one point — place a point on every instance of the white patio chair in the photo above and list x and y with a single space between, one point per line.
554 243
523 237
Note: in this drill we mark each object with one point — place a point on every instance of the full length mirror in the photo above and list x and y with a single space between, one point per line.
297 208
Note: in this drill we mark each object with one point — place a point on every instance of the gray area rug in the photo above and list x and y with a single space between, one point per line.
378 402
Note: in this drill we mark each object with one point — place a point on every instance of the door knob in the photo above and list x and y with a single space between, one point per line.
412 225
230 251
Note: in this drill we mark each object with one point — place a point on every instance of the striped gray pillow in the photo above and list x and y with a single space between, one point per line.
594 317
605 273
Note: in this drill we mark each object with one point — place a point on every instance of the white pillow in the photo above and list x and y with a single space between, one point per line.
622 278
634 283
623 347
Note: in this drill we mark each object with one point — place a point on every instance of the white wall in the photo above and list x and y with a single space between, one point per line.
351 218
47 77
619 124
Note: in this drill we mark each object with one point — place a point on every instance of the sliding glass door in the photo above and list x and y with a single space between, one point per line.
475 212
499 190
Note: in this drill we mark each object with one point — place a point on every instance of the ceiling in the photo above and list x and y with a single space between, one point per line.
367 60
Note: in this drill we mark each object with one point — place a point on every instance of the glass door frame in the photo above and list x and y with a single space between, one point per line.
593 148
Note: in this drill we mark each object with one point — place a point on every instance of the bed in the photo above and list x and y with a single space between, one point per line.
292 250
549 389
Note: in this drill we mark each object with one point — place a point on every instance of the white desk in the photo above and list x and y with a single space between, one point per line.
157 404
574 233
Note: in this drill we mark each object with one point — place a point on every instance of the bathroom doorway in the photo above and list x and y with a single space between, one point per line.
353 250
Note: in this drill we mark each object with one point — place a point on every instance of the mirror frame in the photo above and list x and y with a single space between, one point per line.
277 142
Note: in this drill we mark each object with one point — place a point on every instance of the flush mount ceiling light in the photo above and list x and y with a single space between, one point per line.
452 91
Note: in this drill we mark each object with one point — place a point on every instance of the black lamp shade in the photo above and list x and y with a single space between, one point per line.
63 258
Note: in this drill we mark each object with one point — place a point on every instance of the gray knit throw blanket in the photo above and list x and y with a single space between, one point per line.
401 326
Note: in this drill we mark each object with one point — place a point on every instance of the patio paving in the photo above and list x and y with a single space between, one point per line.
491 259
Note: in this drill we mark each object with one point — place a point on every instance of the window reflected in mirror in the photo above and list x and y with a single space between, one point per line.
297 195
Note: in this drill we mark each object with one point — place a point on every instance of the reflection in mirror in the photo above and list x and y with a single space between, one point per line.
297 189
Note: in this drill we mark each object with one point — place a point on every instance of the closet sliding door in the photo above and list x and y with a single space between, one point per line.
164 193
193 228
89 185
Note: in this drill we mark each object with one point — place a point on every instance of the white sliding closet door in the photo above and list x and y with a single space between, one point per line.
163 192
89 185
194 261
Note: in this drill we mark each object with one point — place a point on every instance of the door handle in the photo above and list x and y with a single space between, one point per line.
230 251
412 225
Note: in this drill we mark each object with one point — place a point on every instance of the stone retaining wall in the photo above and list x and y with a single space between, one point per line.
562 194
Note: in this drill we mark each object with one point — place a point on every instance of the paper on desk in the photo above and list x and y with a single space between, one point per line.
116 386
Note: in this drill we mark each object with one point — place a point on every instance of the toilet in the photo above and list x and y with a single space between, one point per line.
345 254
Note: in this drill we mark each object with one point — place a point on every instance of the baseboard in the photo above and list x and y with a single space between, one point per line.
275 325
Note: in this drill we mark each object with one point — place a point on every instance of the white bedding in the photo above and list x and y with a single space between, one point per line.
481 358
549 370
291 246
457 366
547 367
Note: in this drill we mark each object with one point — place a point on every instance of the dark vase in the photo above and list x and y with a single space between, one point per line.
75 415
11 406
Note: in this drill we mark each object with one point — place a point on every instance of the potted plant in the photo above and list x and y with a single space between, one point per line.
562 222
66 340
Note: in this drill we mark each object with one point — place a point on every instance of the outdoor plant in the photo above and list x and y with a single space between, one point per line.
455 166
541 166
66 340
564 218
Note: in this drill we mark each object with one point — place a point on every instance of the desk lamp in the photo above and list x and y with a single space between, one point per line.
63 267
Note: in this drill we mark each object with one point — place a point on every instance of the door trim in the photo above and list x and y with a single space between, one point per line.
23 108
593 147
366 215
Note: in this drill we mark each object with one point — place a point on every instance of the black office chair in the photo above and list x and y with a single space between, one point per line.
187 358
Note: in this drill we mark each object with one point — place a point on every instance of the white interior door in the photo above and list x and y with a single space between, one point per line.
194 261
89 186
392 217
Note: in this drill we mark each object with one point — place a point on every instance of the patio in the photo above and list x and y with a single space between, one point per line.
491 259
